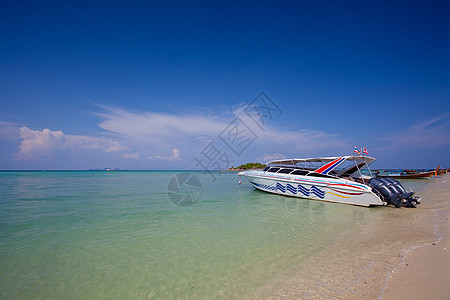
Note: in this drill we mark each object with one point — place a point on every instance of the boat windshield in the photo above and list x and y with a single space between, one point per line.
350 168
344 166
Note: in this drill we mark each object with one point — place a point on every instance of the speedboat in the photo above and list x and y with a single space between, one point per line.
333 179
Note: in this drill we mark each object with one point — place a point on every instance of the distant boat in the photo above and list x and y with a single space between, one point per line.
442 172
410 174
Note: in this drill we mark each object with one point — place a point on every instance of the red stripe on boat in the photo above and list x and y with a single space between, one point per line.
328 165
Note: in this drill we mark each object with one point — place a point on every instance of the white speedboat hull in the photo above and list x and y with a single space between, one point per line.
323 189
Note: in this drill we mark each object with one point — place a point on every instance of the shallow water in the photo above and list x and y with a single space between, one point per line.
88 234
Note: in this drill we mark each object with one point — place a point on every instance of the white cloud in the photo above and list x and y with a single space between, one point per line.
175 156
43 143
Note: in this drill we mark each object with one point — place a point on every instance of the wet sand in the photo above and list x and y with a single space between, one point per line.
401 253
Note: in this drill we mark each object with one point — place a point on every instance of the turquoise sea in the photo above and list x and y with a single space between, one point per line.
103 235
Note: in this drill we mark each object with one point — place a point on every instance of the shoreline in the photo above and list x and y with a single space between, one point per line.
369 261
425 269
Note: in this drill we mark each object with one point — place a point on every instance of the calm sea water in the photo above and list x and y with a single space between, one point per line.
102 235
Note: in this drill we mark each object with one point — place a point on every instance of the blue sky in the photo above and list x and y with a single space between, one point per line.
147 84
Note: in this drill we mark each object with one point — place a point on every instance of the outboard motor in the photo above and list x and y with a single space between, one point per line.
393 192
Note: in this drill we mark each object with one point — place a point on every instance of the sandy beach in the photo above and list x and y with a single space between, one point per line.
425 271
401 254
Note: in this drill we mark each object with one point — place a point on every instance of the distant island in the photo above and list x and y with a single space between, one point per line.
247 166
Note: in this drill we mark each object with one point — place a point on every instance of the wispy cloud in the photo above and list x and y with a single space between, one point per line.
155 127
292 142
440 121
429 134
152 132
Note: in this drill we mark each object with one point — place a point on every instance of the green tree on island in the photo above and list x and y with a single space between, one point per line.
249 166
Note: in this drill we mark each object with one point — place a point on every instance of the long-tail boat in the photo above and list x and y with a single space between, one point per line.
410 174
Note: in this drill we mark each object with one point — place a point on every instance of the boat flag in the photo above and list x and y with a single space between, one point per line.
365 151
356 151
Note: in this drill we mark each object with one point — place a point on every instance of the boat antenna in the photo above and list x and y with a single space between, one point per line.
367 166
359 171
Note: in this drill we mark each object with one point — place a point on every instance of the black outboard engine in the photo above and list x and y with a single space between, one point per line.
393 192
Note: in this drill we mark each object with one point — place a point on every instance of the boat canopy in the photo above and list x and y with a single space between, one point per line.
325 165
294 161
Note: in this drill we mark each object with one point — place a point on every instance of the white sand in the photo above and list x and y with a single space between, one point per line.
401 254
425 271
